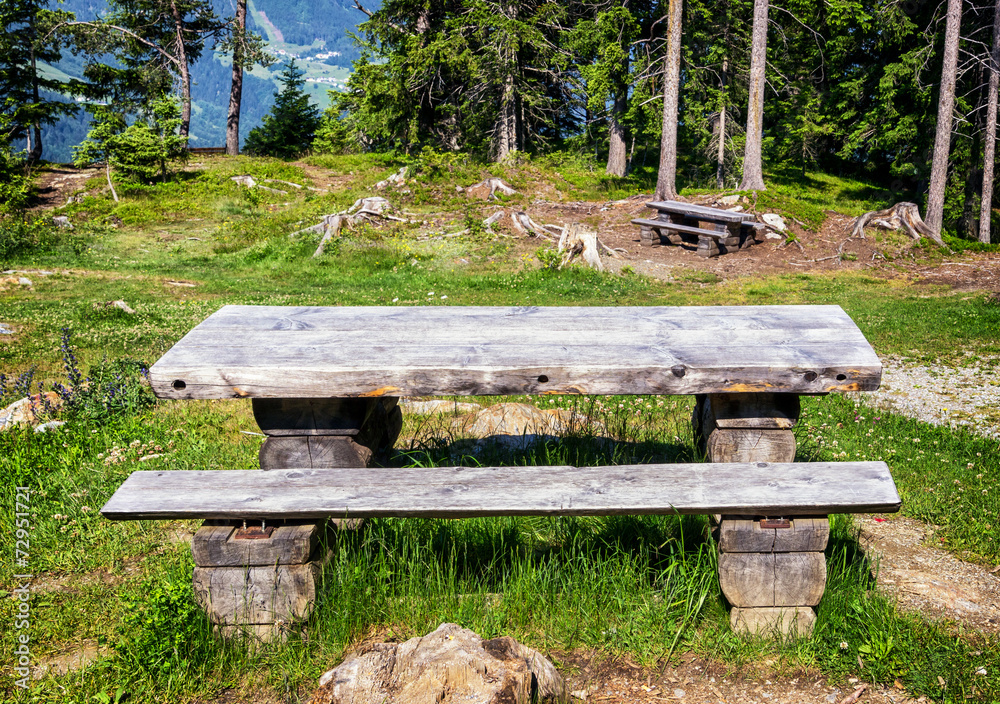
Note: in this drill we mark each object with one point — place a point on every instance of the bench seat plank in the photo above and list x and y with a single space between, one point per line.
688 229
461 492
304 352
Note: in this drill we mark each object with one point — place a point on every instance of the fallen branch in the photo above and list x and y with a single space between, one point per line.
901 216
855 695
249 182
526 226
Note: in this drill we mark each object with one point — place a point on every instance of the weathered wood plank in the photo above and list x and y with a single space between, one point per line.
454 492
572 343
699 211
472 319
674 227
276 352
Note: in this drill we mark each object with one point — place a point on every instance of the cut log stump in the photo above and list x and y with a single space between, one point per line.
772 569
261 581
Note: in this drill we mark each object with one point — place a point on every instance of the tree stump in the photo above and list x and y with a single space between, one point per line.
261 580
772 569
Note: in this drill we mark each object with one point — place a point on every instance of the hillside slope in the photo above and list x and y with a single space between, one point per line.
315 35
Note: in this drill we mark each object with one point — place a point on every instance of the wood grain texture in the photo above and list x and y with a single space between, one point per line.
456 492
313 451
745 535
752 579
751 440
301 352
248 595
291 544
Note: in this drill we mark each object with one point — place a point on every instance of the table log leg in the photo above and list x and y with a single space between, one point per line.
672 236
772 570
261 578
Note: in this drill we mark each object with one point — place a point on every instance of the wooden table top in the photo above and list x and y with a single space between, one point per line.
698 211
325 352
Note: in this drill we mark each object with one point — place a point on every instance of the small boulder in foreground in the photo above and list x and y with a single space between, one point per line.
450 665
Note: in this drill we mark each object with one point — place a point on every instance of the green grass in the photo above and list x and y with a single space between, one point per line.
642 587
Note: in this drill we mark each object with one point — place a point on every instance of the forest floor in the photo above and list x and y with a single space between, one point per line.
912 566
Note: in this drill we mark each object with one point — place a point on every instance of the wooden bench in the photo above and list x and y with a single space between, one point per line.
727 229
324 384
207 150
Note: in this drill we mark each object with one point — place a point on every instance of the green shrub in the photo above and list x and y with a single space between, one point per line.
160 629
21 234
15 181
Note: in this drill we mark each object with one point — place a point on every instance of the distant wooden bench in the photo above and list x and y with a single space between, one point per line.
324 383
727 229
207 150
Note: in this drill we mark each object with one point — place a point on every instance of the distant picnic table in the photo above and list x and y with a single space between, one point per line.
716 231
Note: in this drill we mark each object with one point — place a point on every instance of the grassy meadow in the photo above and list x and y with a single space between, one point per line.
641 587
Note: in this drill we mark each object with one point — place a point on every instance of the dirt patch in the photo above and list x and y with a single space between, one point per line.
76 658
927 579
593 678
57 184
979 272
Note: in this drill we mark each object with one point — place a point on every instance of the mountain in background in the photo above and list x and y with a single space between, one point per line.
314 32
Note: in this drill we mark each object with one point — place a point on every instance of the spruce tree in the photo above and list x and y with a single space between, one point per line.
23 44
288 129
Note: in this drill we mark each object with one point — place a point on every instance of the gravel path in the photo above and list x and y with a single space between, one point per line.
942 395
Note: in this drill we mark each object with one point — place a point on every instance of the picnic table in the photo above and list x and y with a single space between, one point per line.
716 231
324 384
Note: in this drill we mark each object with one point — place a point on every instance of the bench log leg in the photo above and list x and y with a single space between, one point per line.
262 585
648 236
772 572
708 247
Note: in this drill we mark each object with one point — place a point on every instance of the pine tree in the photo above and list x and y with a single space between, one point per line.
153 42
23 44
288 129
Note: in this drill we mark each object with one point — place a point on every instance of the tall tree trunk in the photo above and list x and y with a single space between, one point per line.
666 181
986 201
236 91
946 103
973 182
617 147
720 163
753 167
35 153
507 129
185 73
507 120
